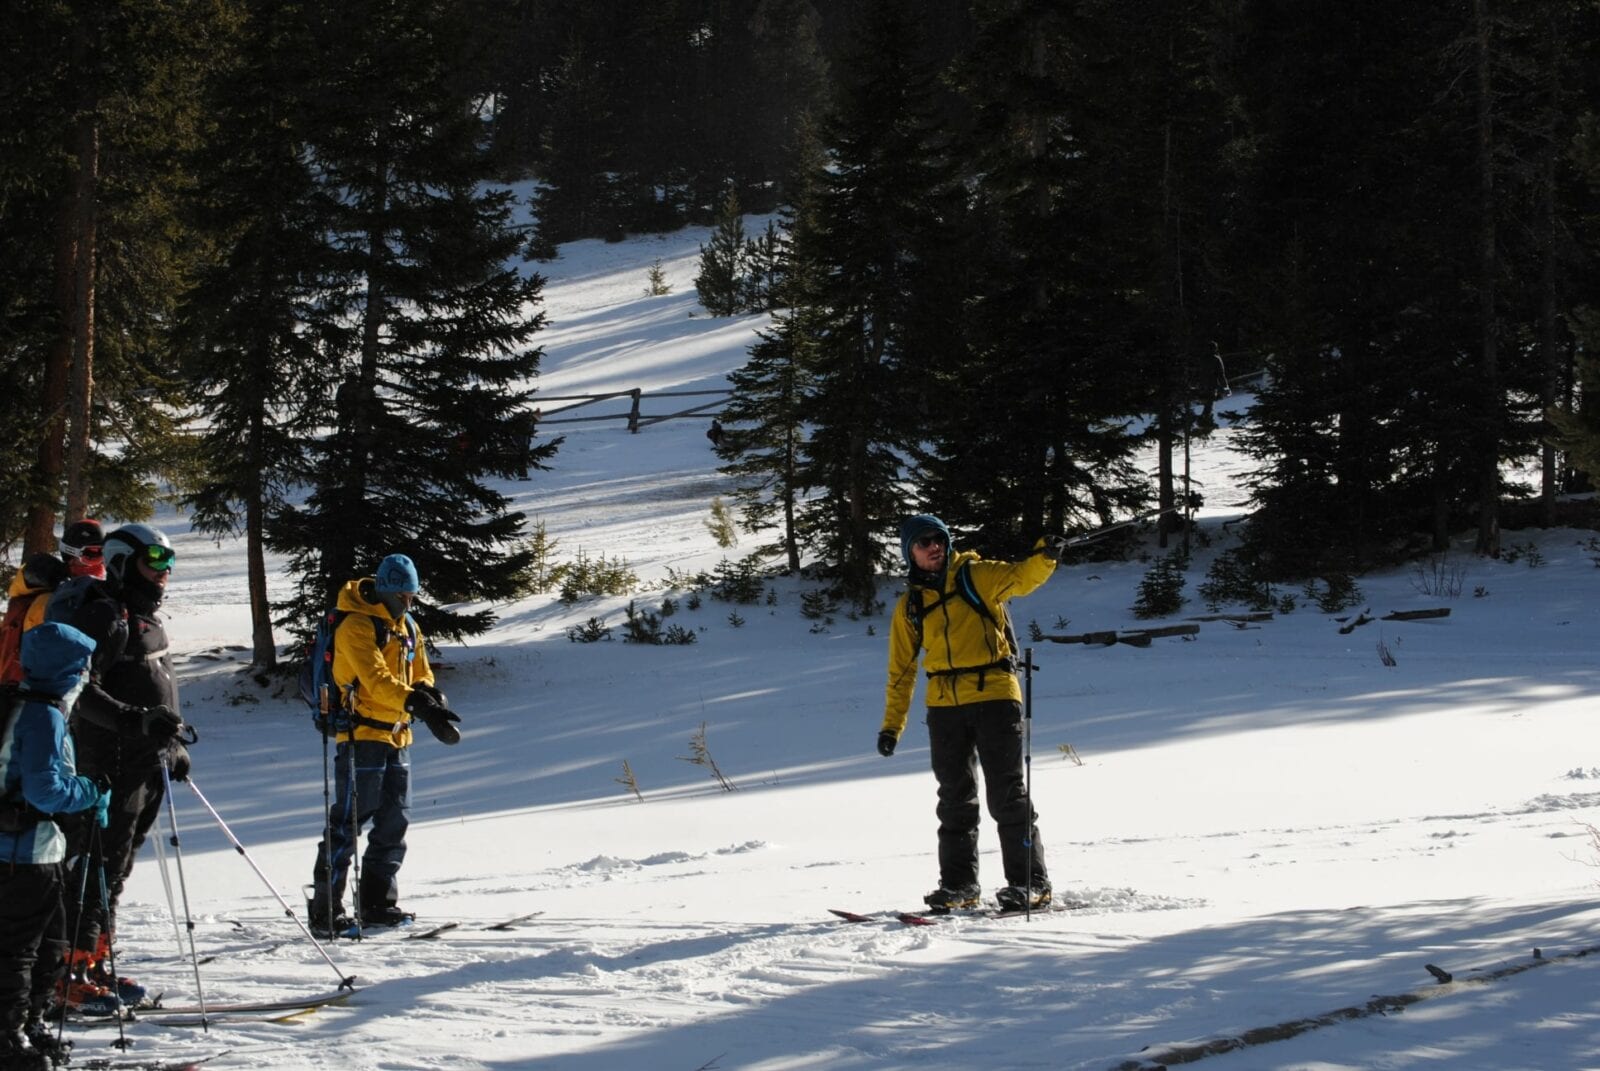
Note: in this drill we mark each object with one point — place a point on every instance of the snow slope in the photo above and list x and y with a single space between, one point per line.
1268 824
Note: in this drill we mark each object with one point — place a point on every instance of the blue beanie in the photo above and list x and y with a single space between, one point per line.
396 573
920 525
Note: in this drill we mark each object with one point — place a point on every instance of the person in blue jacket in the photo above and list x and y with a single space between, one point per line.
40 781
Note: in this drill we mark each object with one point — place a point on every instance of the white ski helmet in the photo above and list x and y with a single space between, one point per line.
138 540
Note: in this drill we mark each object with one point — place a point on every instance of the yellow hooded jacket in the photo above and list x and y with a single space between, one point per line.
957 637
383 676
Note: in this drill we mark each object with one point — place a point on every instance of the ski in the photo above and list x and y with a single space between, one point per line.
338 996
212 1018
144 1063
446 927
511 924
926 917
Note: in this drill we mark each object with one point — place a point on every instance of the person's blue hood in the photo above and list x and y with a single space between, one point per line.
54 657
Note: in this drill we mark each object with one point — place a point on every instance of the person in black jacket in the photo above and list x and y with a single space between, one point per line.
127 729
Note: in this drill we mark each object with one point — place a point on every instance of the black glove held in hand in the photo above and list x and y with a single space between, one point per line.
433 693
178 763
159 723
886 743
440 722
1054 547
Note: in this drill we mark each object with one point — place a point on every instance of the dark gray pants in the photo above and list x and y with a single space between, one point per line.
33 942
380 793
960 739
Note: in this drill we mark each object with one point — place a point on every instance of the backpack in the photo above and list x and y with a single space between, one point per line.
43 574
331 710
915 612
11 636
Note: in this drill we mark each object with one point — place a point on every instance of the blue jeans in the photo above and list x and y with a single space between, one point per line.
380 794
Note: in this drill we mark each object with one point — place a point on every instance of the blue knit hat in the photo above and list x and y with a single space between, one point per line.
395 574
53 657
920 525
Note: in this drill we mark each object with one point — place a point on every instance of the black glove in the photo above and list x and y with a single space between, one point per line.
429 690
886 743
159 723
1054 546
440 721
178 763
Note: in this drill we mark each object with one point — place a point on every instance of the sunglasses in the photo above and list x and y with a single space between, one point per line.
88 554
932 539
158 557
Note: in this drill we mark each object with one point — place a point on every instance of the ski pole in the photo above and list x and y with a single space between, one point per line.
345 981
166 883
327 821
1090 537
183 888
111 947
1027 772
354 797
77 927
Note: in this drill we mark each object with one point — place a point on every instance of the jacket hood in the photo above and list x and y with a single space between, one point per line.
54 657
361 597
922 524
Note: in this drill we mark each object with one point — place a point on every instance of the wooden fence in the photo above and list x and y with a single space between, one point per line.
635 418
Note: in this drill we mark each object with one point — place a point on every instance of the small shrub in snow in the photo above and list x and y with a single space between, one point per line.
1161 590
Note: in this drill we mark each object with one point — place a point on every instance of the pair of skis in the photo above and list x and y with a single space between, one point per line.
930 918
446 927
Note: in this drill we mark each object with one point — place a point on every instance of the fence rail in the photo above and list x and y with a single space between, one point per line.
633 416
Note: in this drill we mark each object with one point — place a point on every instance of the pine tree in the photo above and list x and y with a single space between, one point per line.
721 284
100 106
764 433
872 223
431 338
250 327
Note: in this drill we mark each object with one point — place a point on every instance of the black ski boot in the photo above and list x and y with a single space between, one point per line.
1018 898
17 1055
46 1044
385 915
326 923
944 899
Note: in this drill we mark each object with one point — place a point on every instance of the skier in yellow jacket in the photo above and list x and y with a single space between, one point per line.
954 611
380 664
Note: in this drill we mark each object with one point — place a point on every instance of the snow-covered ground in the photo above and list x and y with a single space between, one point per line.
1268 824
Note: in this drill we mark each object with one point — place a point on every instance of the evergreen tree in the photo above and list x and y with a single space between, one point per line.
764 431
431 335
100 104
721 284
250 327
577 198
873 223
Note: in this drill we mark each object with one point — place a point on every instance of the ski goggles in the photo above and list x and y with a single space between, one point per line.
158 557
88 554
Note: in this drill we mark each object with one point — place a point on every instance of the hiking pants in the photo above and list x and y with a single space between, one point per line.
33 943
137 793
380 794
961 738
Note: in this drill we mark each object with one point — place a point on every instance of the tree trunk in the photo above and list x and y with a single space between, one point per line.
1550 363
1488 459
81 393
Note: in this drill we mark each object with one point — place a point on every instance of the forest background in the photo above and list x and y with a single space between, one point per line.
267 259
